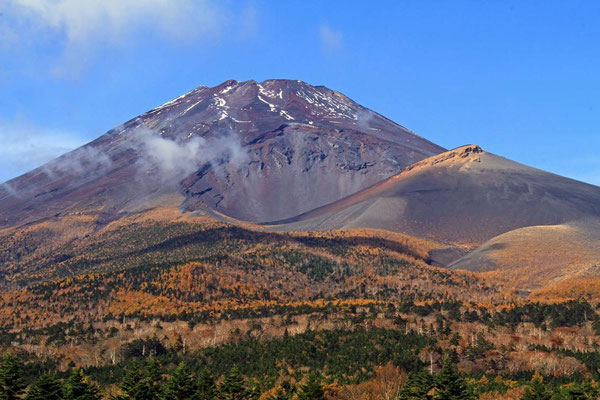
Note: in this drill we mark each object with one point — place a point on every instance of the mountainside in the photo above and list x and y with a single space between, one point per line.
539 256
292 156
464 196
252 151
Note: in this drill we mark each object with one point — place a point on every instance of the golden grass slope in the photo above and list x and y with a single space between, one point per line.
536 257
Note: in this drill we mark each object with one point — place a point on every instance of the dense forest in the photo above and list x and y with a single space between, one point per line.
460 354
363 364
165 307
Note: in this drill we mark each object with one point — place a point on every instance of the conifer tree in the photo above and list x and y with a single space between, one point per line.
205 386
417 386
135 384
312 389
576 392
46 387
180 386
12 384
233 386
254 391
537 390
450 385
77 387
585 390
153 375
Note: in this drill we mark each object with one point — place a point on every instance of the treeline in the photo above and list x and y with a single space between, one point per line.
344 356
547 316
148 380
544 316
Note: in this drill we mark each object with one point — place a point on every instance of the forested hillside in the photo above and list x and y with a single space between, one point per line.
164 303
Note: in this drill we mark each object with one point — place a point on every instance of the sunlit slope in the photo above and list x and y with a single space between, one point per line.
539 256
160 262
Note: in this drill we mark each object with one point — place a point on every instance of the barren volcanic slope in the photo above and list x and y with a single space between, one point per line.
252 151
464 196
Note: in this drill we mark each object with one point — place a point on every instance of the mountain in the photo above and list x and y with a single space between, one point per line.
275 230
284 155
464 197
252 151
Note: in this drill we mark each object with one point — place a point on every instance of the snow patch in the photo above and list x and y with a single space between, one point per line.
284 114
240 122
219 102
190 107
178 99
227 89
266 92
272 107
333 107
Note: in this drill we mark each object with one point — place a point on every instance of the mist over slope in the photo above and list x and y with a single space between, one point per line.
253 151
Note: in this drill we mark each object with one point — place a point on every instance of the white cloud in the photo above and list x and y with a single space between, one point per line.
170 160
76 28
331 39
113 20
25 146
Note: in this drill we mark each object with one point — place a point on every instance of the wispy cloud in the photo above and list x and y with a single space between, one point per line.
170 160
26 146
331 39
78 27
166 160
113 20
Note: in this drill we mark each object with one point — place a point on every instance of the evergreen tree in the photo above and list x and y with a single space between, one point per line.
205 386
46 387
417 386
537 390
12 384
450 385
77 387
180 386
153 375
312 389
575 392
455 339
233 386
254 391
135 384
582 391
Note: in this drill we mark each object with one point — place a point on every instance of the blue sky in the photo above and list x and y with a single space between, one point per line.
520 78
